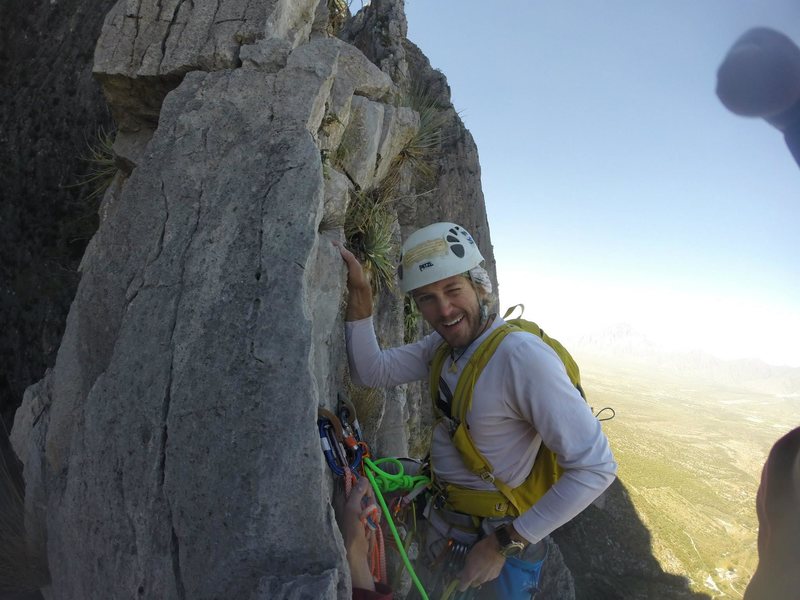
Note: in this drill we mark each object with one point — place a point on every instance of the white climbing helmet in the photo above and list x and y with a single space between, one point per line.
436 252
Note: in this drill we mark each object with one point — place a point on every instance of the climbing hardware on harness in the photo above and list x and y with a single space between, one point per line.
347 456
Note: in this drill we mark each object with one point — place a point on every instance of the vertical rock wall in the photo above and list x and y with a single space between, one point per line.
172 451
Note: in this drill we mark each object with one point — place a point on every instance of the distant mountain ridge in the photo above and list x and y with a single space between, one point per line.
623 345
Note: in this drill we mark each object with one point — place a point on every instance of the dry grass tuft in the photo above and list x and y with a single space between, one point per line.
369 405
338 13
331 221
102 164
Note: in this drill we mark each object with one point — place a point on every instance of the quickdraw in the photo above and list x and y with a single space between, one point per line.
343 448
347 456
341 444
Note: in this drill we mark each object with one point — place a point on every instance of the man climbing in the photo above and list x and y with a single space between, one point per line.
521 399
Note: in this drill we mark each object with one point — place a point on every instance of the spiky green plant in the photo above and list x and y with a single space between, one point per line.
420 152
368 228
102 165
432 117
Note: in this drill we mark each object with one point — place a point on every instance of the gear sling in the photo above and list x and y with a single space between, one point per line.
505 501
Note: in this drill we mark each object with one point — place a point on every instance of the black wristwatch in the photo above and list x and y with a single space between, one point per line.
508 545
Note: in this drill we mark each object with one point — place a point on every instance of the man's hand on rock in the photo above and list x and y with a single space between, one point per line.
359 303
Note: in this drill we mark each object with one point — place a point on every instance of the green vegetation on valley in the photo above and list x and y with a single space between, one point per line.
691 454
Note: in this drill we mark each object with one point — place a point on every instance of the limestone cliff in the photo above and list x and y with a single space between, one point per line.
176 429
171 451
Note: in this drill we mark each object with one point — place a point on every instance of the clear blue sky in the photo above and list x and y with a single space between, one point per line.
618 188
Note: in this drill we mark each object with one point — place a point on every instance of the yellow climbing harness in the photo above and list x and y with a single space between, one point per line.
504 501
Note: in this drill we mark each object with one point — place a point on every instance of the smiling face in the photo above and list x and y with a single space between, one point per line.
452 307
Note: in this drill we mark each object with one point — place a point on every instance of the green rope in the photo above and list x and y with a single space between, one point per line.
393 482
384 478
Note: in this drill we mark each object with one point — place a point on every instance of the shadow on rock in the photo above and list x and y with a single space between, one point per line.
609 552
50 110
22 565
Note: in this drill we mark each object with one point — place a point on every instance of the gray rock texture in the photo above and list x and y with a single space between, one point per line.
557 580
381 32
146 47
171 451
178 423
174 386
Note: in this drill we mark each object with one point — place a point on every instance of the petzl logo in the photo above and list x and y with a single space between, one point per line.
426 265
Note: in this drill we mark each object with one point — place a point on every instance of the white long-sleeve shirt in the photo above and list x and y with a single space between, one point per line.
522 398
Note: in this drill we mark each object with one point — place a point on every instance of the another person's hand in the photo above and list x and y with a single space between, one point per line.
352 515
484 563
760 77
359 302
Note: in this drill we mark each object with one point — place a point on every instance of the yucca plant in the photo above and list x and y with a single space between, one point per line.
368 228
420 152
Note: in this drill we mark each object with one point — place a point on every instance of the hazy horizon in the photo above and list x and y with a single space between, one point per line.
621 338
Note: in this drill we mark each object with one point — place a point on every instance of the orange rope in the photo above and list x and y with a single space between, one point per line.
349 479
378 558
378 552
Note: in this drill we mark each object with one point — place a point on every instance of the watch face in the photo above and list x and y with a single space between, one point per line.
508 547
513 549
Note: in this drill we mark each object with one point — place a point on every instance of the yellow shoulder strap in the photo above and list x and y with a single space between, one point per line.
470 373
462 402
462 398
